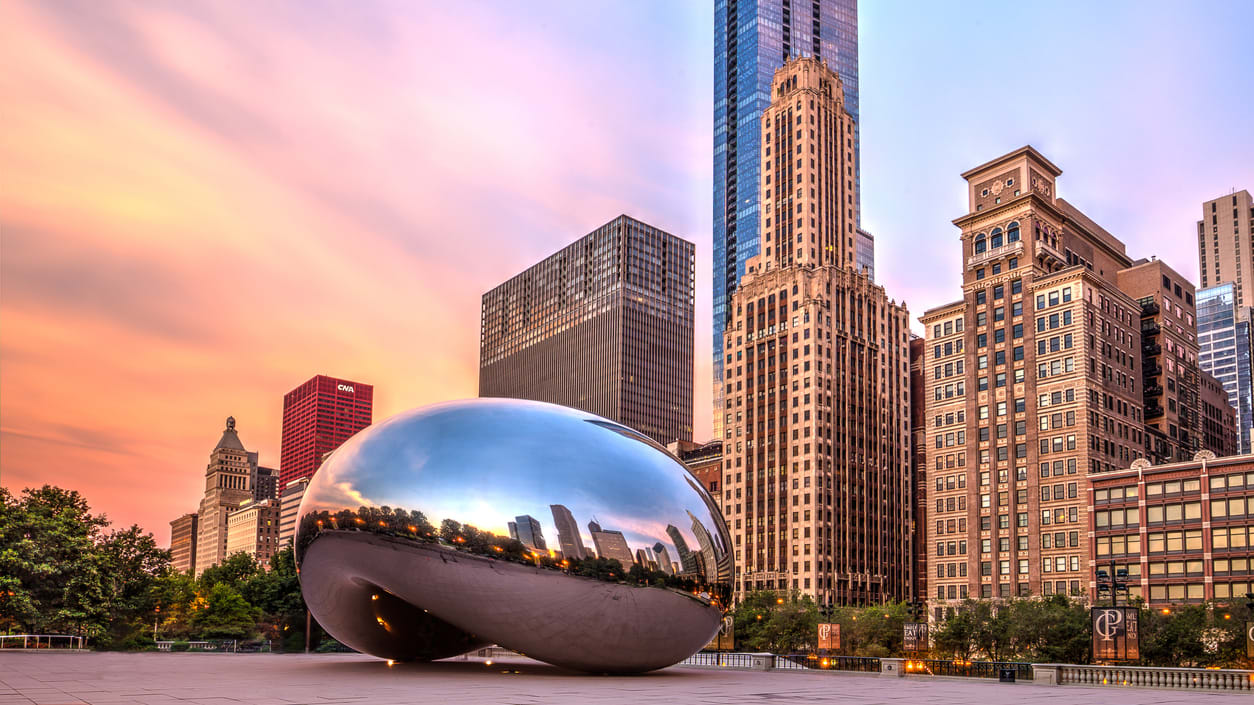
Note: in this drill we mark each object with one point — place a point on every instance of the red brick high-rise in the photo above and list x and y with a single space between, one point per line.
318 416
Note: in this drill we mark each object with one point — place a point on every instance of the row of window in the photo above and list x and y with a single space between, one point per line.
994 239
999 292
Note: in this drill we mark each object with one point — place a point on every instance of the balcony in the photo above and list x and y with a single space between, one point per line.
1153 391
1153 411
1151 348
1149 308
1150 327
1013 248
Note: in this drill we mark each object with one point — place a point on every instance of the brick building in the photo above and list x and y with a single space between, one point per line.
1038 379
1184 531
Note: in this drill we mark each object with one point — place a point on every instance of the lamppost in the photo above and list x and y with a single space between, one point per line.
1114 580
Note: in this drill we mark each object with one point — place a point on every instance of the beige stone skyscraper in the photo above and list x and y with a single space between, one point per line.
816 393
1225 244
228 480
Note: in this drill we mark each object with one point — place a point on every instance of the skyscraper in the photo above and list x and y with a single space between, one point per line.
817 402
1065 359
318 416
753 38
568 538
228 484
527 529
1170 376
183 543
265 484
1224 344
605 325
611 544
663 558
689 562
1225 244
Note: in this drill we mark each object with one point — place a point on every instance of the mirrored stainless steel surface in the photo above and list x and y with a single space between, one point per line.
546 530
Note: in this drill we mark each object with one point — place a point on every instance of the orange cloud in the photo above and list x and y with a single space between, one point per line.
198 212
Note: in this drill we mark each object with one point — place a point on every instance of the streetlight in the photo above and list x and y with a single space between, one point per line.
1114 580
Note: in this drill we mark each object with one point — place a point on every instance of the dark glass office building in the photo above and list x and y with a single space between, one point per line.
1224 341
605 325
753 38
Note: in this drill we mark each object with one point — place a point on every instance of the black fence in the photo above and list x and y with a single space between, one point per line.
719 658
973 669
862 664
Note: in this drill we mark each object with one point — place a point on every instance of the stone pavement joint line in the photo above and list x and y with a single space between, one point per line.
342 679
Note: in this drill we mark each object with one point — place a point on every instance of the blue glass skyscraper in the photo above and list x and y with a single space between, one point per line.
752 38
1223 342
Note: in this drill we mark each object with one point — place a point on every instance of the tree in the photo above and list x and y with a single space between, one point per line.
174 594
956 635
223 613
48 567
770 621
276 593
234 571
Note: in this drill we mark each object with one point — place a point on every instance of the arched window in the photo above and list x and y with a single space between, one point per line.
1012 232
995 238
980 243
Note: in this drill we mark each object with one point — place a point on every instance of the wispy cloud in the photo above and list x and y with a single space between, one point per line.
203 205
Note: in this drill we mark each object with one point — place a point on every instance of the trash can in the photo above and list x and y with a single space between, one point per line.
1006 675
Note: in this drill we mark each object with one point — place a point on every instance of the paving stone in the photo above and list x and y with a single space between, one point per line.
352 679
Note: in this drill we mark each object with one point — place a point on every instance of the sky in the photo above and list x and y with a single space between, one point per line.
202 205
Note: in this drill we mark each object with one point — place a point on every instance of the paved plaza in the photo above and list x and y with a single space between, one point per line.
327 679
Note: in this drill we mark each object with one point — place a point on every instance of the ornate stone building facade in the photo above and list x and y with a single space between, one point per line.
1037 379
816 445
228 479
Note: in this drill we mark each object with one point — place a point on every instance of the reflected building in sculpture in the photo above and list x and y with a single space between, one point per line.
610 544
663 558
688 561
527 530
412 561
604 325
568 538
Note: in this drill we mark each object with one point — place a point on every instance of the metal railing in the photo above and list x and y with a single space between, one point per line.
1151 677
213 645
862 664
41 641
720 658
974 669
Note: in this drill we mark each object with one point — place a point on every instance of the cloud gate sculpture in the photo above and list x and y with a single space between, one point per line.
549 531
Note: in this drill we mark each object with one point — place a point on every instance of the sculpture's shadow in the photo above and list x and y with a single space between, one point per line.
478 667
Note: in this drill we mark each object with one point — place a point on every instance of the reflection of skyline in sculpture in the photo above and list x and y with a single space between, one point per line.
688 561
709 562
663 558
568 538
527 529
611 544
403 554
